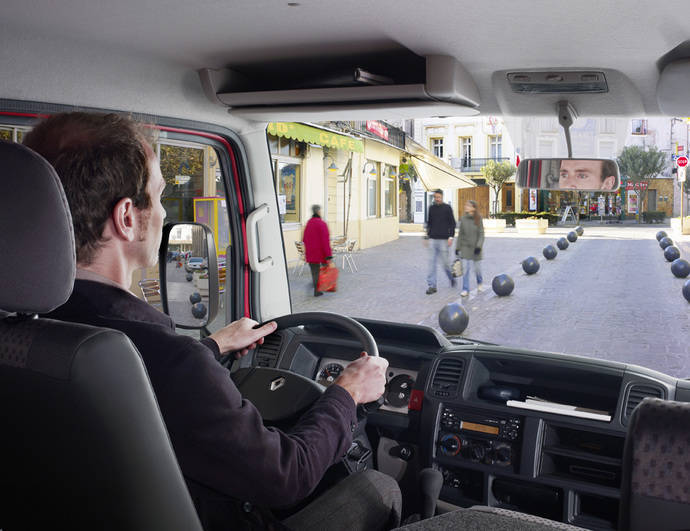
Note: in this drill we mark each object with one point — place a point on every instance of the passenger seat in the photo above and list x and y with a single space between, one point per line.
655 490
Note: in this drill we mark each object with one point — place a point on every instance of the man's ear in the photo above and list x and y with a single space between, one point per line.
124 219
608 183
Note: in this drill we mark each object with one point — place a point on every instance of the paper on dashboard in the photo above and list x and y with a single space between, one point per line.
538 404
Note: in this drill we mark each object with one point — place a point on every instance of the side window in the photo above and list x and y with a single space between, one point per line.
194 191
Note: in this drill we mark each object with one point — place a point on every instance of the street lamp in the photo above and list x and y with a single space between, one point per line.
333 167
372 171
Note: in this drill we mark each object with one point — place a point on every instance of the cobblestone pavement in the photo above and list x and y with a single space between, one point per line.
610 295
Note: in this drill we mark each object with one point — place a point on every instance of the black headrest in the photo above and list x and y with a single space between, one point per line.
36 235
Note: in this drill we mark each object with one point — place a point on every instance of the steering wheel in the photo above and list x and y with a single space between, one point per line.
282 396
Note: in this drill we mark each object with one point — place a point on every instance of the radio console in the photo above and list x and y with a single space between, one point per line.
480 438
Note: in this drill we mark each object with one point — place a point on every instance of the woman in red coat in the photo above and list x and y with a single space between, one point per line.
317 246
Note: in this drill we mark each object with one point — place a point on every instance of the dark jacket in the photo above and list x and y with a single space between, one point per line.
219 438
317 244
470 237
441 222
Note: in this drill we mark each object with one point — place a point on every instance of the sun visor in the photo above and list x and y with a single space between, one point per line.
673 89
433 172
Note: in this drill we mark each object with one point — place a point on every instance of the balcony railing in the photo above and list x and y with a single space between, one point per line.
395 136
473 165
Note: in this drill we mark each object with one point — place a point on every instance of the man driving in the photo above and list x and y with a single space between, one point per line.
578 174
234 466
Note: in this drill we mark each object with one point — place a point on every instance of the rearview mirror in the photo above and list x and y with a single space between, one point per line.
585 175
188 274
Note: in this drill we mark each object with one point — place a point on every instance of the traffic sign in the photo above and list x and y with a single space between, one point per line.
682 162
681 174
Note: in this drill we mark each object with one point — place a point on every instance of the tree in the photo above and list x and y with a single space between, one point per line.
641 165
496 174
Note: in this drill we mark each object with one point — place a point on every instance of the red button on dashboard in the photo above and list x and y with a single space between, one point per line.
416 399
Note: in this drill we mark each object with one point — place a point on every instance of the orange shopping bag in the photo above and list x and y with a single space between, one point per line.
328 279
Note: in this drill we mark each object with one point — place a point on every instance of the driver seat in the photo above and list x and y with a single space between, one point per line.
83 443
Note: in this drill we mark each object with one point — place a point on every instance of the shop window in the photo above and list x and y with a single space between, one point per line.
371 170
466 151
390 190
287 167
285 146
437 147
495 146
12 134
288 187
639 127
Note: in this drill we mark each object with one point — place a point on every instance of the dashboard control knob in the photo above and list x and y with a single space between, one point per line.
502 454
450 444
477 452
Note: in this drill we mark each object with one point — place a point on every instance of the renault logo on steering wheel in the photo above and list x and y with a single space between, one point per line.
277 383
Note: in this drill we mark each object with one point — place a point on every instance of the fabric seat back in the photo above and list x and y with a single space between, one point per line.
83 443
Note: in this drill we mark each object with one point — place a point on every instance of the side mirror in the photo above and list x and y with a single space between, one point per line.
188 270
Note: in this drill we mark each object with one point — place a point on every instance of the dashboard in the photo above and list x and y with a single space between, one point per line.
536 432
399 383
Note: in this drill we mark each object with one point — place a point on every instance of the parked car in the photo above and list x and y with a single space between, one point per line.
195 263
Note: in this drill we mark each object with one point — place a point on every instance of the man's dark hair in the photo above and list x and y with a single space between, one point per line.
100 159
608 168
438 191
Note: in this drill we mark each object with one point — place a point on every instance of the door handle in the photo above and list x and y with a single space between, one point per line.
253 219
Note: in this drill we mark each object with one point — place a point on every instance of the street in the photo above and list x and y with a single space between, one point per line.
610 295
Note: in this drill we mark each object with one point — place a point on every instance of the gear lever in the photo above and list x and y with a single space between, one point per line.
430 483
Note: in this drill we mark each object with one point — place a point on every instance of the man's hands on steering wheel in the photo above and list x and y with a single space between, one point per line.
364 378
240 336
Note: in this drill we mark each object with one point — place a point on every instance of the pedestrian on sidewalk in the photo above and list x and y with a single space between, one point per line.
317 246
440 229
469 245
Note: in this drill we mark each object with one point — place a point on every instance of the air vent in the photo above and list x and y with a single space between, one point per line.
267 354
447 378
637 394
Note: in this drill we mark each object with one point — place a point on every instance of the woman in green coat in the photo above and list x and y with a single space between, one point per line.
469 245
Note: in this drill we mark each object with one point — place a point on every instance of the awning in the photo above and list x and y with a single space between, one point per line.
315 135
433 172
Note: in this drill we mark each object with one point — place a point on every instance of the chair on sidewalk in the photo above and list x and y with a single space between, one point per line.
301 257
346 249
151 291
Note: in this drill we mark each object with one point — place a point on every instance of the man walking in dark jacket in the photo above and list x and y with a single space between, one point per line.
440 229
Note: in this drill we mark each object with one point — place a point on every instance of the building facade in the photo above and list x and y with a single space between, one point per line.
467 144
358 172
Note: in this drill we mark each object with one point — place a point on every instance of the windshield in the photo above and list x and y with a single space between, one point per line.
399 248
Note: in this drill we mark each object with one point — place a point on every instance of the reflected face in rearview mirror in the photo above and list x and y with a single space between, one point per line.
584 175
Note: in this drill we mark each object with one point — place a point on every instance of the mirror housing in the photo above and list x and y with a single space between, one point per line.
581 175
188 269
